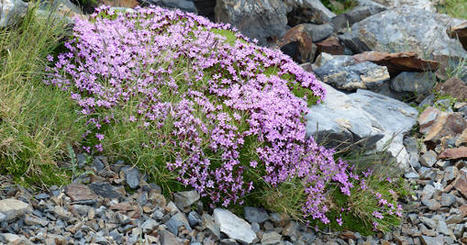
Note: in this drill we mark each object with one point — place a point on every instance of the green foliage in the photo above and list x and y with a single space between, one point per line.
339 6
454 8
37 121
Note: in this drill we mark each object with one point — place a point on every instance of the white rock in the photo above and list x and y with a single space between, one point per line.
233 226
13 208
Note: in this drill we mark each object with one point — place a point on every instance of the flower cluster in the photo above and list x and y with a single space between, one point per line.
226 108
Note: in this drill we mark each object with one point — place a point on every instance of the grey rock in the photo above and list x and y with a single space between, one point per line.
420 83
421 4
347 19
428 159
167 238
132 177
176 221
400 29
210 224
98 163
443 228
339 121
62 213
412 175
194 219
265 20
427 240
257 215
11 12
342 72
271 238
185 199
431 204
233 226
32 220
447 199
13 208
450 173
428 191
42 196
319 32
104 189
396 118
308 11
149 225
185 5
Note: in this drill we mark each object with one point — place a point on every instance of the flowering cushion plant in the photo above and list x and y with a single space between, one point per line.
194 101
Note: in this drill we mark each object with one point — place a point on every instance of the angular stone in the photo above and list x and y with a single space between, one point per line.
428 159
80 192
210 224
415 82
330 45
271 238
318 32
185 199
149 225
298 44
454 153
461 185
167 238
185 5
400 30
308 11
11 12
233 226
132 176
436 124
427 240
104 189
398 62
13 208
176 221
265 20
343 72
255 215
453 87
347 19
459 32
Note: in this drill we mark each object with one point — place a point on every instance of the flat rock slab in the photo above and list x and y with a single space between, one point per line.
13 208
80 192
233 226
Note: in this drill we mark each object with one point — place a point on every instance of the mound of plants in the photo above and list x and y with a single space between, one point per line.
197 105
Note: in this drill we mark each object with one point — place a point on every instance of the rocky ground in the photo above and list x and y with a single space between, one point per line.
381 63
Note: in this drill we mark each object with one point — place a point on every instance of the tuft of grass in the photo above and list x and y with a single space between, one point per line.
37 122
454 8
339 6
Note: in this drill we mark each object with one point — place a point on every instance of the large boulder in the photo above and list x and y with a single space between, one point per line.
308 11
344 72
396 119
265 20
428 5
405 29
185 5
365 119
11 12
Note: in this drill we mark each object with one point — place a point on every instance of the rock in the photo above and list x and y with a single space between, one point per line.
428 159
419 83
122 3
330 45
185 5
233 226
104 190
454 153
453 87
210 224
185 199
399 30
421 4
255 215
428 192
265 20
79 192
308 11
396 119
412 175
343 72
194 219
167 238
435 124
461 185
459 32
176 221
13 209
62 213
297 43
318 32
398 62
340 122
447 199
450 173
426 240
347 19
149 225
271 238
132 176
12 11
32 220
